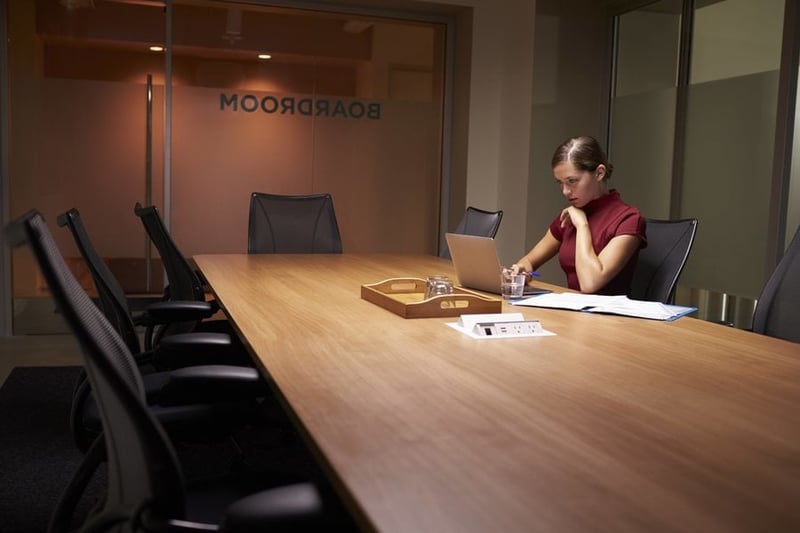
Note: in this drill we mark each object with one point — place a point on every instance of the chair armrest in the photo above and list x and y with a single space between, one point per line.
296 507
196 348
299 506
211 383
175 311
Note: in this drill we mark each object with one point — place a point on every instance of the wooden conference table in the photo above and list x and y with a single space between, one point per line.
614 424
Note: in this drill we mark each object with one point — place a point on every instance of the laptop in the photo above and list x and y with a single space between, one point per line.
477 265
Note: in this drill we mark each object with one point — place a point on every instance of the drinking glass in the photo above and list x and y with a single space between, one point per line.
511 285
436 285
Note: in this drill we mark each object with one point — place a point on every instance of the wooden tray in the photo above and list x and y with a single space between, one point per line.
405 297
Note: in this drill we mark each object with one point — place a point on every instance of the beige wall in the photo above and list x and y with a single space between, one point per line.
497 151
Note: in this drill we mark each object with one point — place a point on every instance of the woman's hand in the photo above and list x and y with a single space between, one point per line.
574 216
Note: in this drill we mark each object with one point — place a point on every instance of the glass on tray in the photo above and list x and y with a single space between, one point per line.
438 285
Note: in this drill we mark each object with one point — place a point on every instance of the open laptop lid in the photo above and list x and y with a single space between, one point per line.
476 263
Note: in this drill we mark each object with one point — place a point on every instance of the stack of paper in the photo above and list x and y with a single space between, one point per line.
615 305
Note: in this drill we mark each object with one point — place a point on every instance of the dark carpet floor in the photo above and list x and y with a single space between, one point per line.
38 456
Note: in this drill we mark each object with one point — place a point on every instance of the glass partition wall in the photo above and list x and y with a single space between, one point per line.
298 102
693 132
80 105
193 105
729 148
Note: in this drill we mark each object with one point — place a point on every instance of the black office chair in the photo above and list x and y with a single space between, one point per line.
661 262
146 490
173 351
292 224
184 282
777 312
477 222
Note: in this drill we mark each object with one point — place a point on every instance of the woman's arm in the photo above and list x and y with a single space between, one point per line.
596 270
543 251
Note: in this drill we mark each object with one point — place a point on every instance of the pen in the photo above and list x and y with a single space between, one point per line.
532 274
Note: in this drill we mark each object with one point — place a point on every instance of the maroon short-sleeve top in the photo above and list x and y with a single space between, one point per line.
608 217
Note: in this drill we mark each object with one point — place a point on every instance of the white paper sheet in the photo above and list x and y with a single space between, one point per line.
615 305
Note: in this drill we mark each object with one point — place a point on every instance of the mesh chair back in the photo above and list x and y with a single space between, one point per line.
184 283
285 224
661 262
142 466
477 222
777 312
113 301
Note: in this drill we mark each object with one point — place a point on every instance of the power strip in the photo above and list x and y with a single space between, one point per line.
516 328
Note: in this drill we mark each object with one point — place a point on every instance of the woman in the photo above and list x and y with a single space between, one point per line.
598 237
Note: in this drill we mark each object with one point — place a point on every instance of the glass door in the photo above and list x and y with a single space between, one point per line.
85 132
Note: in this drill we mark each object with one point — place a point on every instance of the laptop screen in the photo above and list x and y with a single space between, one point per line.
476 263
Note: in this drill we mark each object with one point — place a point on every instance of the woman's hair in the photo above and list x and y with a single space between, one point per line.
584 153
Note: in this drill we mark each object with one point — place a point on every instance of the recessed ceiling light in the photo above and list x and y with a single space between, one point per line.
156 48
264 56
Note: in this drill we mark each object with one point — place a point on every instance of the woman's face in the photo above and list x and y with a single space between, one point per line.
579 187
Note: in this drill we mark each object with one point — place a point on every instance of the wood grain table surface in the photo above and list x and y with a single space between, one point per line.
613 424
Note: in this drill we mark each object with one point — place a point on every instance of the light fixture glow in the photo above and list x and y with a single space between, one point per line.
264 56
156 48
